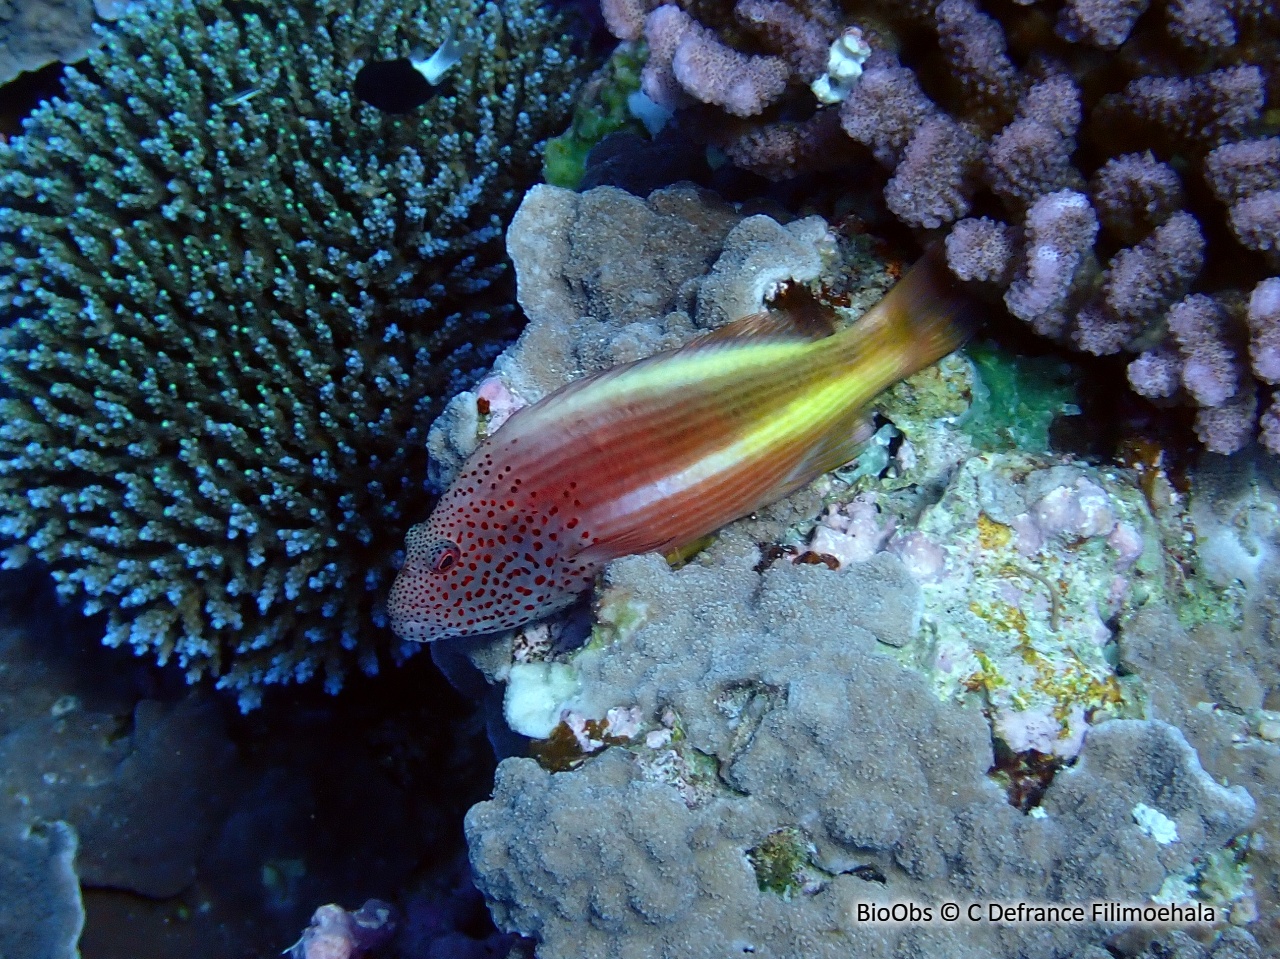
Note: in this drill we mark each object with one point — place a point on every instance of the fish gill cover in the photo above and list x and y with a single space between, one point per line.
234 296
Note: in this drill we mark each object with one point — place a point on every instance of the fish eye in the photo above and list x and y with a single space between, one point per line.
443 556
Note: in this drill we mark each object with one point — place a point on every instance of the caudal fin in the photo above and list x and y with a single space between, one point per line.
924 317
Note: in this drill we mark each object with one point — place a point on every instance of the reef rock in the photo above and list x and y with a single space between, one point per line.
784 718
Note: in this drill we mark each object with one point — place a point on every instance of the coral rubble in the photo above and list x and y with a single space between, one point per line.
235 296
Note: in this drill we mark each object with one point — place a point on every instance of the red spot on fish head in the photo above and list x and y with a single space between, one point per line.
495 554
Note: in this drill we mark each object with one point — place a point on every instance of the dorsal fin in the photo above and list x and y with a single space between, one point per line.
801 317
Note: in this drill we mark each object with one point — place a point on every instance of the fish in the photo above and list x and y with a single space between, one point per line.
406 83
655 454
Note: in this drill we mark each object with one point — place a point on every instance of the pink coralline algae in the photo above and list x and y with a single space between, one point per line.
852 533
1094 167
335 933
1076 511
494 400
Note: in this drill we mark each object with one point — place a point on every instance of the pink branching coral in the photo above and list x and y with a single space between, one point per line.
1209 370
1144 279
714 73
689 63
1155 373
982 250
1060 231
1208 24
664 29
1134 193
1264 329
786 148
1103 23
1032 155
625 18
1107 165
1188 111
884 110
1246 175
1205 365
803 41
973 44
934 181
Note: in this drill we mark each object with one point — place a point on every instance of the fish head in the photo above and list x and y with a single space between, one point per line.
493 555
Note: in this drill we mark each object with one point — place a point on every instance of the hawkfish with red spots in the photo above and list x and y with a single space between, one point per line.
655 454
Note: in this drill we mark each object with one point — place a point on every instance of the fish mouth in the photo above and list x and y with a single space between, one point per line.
417 626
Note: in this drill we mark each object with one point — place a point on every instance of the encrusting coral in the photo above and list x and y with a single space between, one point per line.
235 294
1108 171
37 872
780 693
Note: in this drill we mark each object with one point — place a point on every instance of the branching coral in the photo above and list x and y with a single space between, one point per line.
235 294
1132 112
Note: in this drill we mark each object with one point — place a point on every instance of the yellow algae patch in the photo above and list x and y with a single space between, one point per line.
1062 679
987 678
992 535
1071 682
1004 617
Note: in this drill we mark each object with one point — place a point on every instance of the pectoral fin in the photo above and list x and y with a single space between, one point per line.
682 554
838 447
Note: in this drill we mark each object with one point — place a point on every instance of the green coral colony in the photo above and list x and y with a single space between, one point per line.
236 294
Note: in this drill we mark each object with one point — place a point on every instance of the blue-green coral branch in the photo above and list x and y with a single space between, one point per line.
235 294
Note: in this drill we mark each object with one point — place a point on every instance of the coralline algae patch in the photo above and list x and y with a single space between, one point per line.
1025 565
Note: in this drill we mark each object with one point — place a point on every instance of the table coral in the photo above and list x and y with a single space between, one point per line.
1095 169
236 294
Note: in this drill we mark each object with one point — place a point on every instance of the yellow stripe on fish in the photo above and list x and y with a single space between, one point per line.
654 454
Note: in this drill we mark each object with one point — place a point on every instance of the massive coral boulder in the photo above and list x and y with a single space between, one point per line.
749 746
776 722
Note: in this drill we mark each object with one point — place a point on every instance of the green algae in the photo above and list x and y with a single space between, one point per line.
601 110
1016 399
782 861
